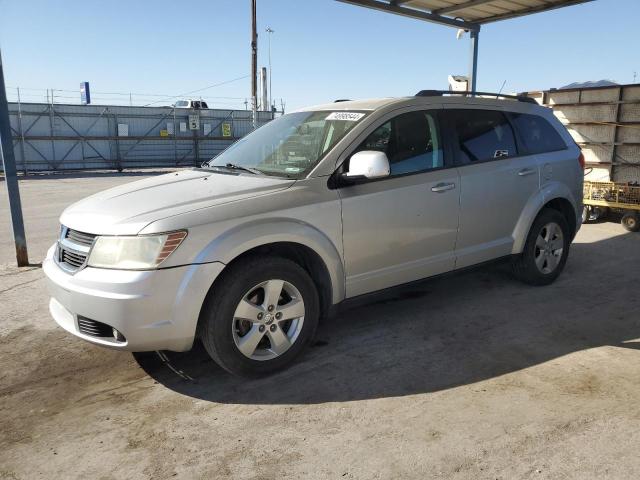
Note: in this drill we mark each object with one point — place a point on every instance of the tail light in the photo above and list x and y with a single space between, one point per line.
581 160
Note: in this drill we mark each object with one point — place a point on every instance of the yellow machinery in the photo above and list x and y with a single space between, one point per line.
600 198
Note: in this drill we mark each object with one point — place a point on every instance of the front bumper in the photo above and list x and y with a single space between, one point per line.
154 310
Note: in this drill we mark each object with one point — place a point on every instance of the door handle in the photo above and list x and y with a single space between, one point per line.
526 171
443 187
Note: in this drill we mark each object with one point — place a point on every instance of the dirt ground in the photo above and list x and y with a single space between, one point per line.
471 376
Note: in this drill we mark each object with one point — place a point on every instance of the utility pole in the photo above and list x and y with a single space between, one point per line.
269 30
10 176
254 65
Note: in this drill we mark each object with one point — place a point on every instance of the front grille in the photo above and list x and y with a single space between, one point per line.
80 238
75 260
73 249
94 328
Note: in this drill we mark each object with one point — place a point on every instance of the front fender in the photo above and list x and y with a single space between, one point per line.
543 196
242 238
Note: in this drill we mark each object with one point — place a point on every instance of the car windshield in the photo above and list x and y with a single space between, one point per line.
289 146
182 103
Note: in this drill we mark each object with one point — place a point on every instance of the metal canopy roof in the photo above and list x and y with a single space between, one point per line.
468 14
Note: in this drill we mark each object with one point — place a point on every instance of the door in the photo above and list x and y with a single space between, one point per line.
496 182
403 227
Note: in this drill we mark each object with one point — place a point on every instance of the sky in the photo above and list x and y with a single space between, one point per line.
321 50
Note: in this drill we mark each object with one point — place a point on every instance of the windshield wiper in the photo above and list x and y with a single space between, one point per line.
233 166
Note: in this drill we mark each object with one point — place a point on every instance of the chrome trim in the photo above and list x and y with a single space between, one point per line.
74 247
68 245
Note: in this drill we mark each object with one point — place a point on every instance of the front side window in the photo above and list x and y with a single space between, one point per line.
410 141
483 135
290 145
537 134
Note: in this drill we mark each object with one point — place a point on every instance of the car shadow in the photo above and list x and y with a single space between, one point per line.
439 334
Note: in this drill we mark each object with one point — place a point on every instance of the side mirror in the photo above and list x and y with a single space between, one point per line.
369 165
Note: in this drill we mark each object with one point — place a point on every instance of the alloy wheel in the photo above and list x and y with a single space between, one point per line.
268 320
549 247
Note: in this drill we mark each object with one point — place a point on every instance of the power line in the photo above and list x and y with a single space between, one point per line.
198 90
142 99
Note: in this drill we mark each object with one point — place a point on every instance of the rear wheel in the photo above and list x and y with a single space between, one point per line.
631 221
259 316
593 214
545 251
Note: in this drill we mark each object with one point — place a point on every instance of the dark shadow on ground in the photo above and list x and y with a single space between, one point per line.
439 334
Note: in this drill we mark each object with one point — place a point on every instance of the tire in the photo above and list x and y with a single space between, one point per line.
586 212
236 313
598 213
541 260
631 221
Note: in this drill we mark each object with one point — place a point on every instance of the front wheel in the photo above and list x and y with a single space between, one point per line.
259 316
545 251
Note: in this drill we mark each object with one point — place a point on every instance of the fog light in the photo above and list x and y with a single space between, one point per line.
118 336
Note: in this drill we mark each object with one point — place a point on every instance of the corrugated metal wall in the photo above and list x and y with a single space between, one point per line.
605 122
69 137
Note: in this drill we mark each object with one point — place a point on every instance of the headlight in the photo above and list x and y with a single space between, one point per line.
134 253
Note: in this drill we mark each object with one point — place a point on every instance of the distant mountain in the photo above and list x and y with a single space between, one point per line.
598 83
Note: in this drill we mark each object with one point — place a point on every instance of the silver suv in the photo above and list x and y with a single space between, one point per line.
248 252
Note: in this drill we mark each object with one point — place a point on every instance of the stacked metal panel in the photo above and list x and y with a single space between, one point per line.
605 122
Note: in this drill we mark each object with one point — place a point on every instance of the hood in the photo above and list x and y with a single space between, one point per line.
127 209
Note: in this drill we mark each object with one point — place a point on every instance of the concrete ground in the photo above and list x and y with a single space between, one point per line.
468 376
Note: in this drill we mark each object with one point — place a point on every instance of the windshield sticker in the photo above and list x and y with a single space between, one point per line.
345 116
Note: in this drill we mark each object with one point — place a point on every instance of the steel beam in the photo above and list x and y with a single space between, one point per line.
460 6
473 60
413 13
528 11
11 178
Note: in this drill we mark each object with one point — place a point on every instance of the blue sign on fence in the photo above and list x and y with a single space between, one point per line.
85 95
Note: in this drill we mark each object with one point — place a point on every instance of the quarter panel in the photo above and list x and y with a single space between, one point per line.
549 191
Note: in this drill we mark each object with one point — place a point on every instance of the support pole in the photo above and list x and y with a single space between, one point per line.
473 63
254 66
269 30
10 176
21 131
263 81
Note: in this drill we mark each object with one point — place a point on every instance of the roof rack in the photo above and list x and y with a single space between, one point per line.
440 93
342 100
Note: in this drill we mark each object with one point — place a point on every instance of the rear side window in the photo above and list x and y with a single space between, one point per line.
483 135
537 134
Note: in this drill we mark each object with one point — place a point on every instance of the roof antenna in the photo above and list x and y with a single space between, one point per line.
500 91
